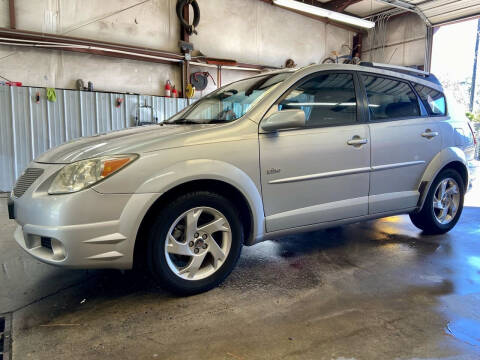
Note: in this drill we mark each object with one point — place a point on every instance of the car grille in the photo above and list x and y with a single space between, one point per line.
25 180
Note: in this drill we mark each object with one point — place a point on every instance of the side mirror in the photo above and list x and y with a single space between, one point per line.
285 119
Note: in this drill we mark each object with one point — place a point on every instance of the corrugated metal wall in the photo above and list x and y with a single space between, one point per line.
28 128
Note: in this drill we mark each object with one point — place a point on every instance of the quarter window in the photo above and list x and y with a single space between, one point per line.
327 100
389 99
433 99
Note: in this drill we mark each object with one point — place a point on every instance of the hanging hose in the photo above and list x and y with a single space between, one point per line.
196 15
200 79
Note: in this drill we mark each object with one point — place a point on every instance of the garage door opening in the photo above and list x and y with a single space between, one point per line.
453 56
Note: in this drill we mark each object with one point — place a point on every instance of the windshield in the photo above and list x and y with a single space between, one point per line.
229 102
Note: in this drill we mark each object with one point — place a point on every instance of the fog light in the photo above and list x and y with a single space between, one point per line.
46 242
45 247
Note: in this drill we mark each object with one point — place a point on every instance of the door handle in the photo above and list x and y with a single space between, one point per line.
357 141
429 134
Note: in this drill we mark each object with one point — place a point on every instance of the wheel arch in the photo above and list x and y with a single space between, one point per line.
214 176
448 158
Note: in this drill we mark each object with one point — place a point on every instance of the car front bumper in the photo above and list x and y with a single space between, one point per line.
83 230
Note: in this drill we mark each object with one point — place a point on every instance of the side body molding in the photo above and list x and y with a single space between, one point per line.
440 160
207 169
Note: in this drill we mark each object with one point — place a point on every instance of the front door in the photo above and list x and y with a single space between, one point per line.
319 173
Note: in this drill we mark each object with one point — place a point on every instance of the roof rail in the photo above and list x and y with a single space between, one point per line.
403 69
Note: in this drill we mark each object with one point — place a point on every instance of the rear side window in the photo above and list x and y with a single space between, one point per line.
434 100
327 100
389 99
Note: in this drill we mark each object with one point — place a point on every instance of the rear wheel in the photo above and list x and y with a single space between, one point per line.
195 242
443 204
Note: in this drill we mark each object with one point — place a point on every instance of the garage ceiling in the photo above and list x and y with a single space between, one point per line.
434 12
438 12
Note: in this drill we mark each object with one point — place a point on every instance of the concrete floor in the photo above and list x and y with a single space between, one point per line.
373 290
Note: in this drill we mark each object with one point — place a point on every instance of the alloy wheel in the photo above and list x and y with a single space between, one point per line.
198 243
446 201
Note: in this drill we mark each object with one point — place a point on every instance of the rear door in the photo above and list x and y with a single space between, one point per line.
319 173
404 140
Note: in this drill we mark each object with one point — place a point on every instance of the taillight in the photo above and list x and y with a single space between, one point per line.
473 134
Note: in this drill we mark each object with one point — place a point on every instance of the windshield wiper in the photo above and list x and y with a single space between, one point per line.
219 121
183 121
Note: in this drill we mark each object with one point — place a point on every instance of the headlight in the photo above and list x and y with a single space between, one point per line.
82 174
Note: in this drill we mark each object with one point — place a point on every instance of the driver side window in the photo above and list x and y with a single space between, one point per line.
327 100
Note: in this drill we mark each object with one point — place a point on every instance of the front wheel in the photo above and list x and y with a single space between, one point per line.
195 242
443 204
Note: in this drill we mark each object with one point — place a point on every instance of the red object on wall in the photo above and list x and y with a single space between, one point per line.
168 89
174 92
11 83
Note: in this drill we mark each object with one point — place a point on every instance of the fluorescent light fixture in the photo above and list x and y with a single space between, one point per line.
333 15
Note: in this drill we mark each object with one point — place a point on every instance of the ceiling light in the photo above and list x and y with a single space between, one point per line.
333 15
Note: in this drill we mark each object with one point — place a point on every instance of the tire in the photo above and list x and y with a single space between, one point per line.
427 219
175 263
329 60
196 14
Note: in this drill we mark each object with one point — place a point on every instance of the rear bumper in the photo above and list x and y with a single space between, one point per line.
473 173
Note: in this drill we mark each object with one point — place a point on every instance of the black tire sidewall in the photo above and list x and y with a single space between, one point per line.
158 233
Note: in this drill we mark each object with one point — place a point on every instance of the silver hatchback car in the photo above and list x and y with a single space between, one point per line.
278 153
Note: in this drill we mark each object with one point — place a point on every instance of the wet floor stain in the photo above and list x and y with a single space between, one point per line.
466 330
374 290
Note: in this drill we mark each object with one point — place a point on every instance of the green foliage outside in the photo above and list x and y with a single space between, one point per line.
473 117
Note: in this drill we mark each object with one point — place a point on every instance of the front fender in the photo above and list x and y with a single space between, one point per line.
442 159
207 169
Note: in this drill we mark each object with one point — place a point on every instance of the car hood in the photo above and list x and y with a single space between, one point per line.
133 140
